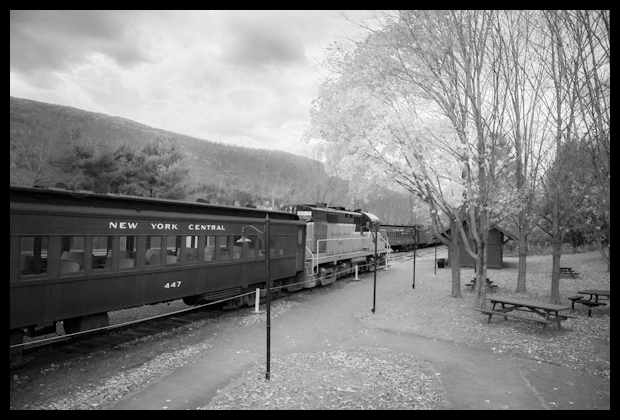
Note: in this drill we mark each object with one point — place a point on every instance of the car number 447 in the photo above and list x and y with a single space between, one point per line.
173 284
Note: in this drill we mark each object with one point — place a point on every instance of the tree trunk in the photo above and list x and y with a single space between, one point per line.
455 261
556 238
555 274
481 280
522 261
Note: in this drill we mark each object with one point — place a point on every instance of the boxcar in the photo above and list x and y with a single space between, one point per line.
75 256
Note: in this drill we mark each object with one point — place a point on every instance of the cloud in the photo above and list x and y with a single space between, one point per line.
57 40
260 38
240 77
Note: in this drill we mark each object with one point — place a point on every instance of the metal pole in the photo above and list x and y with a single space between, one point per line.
415 251
374 293
268 251
435 255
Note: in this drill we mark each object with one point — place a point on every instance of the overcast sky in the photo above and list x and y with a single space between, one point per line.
240 77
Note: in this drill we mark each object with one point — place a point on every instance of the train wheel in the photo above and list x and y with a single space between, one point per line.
296 281
190 300
370 264
232 304
15 354
17 337
327 275
85 323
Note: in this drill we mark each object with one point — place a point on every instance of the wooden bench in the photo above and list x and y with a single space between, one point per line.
472 283
568 270
543 321
574 299
556 319
590 304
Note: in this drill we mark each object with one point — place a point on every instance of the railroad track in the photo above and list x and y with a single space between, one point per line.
422 252
61 348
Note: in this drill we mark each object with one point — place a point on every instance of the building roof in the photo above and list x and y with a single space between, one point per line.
503 230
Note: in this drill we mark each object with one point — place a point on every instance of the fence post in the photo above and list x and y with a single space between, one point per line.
257 302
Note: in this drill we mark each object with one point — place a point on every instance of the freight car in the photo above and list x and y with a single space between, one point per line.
76 255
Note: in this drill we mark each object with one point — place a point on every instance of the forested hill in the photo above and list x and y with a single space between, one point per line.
210 162
217 172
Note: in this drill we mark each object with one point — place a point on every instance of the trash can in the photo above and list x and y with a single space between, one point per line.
440 262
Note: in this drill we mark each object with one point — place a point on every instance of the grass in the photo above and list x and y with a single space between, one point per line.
582 344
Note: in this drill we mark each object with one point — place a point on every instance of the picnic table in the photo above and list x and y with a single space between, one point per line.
594 294
568 270
489 284
548 312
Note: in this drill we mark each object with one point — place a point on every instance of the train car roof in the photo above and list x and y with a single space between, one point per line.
81 198
371 216
325 208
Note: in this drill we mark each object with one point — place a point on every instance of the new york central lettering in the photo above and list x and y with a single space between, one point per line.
166 226
123 225
205 227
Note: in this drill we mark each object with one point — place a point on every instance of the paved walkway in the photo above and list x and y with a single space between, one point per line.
473 378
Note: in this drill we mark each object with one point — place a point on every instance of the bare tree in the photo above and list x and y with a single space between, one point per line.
522 80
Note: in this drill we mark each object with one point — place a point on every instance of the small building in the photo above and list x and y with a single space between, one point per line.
495 247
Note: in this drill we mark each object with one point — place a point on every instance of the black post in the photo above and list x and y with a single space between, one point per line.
268 251
374 293
415 251
435 255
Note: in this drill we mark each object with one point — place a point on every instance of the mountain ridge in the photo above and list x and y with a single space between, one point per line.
216 167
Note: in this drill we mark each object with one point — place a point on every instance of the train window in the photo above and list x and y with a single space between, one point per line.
126 252
33 255
224 248
173 249
237 248
72 258
260 246
191 250
255 247
153 251
209 253
273 246
281 245
300 236
101 245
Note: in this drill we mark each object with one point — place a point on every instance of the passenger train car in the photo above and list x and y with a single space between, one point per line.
401 237
406 238
76 255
